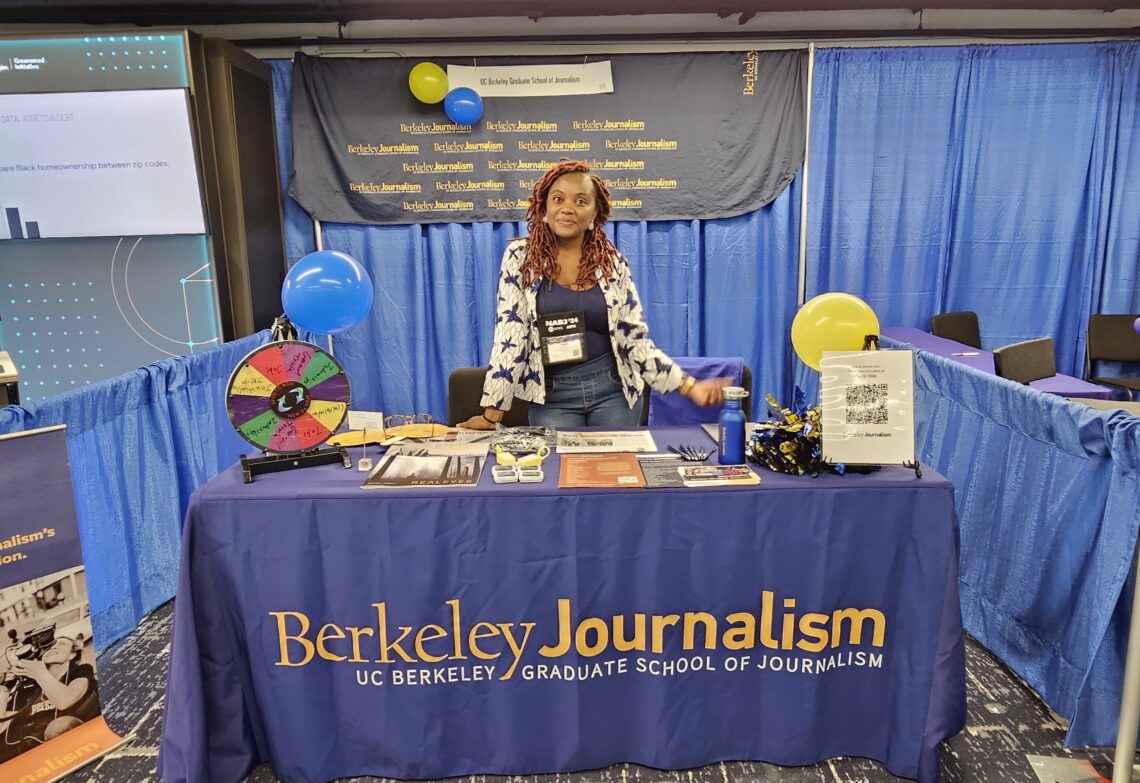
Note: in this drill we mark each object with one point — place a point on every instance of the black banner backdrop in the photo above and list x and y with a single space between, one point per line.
685 135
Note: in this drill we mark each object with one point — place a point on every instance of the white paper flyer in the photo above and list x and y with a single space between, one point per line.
601 441
867 399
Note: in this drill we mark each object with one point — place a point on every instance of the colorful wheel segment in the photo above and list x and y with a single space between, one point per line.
287 397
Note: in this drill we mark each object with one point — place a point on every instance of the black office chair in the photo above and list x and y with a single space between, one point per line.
746 404
1111 338
960 326
465 388
1026 361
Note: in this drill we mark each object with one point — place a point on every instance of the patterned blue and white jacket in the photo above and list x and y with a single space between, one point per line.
516 358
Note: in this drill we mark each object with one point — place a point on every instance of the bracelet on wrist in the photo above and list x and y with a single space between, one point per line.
687 383
489 420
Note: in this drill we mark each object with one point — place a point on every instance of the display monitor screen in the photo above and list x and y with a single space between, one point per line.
105 262
96 164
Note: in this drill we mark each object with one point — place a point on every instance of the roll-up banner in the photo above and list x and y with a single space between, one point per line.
50 719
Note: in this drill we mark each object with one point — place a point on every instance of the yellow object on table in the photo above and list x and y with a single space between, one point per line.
506 458
429 430
360 437
356 437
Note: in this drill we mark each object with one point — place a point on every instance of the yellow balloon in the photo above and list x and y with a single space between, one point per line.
428 82
831 322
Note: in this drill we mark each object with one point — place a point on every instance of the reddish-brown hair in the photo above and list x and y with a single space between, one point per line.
541 245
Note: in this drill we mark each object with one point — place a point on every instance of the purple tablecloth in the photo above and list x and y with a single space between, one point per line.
1061 385
516 629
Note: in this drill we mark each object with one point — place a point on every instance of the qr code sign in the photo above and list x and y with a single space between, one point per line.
867 403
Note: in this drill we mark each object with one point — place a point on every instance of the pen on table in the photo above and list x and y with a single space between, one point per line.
967 353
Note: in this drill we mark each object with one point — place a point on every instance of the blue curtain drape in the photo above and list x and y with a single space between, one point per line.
999 179
717 287
711 288
299 238
1002 179
1048 497
139 444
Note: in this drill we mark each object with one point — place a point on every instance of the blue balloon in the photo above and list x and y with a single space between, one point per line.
327 292
463 106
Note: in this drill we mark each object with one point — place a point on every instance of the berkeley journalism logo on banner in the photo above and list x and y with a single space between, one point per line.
366 151
772 639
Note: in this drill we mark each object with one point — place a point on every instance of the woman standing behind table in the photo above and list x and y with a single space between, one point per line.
570 337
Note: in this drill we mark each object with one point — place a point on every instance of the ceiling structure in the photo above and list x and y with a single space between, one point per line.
178 12
333 24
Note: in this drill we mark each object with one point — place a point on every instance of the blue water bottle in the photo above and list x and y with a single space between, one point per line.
731 427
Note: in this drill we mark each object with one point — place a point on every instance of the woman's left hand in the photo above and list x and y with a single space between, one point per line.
708 392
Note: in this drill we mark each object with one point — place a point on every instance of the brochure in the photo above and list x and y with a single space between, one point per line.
660 470
418 468
432 448
602 441
717 476
457 435
600 470
867 398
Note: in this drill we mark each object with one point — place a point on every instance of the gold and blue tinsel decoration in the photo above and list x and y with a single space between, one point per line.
791 440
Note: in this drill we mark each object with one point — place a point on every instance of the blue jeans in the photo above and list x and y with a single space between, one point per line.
586 395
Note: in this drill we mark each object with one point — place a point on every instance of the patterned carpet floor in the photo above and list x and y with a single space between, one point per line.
1010 735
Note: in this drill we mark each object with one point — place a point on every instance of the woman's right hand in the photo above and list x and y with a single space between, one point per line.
709 391
479 422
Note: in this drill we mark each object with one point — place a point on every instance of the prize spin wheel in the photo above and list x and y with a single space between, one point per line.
287 398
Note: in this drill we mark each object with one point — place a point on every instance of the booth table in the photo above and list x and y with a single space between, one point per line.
513 629
1131 408
1061 385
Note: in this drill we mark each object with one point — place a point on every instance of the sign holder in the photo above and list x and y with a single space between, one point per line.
868 407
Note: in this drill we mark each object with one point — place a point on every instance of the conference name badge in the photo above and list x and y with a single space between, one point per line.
563 337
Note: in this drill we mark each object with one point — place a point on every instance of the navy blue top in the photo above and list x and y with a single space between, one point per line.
554 298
